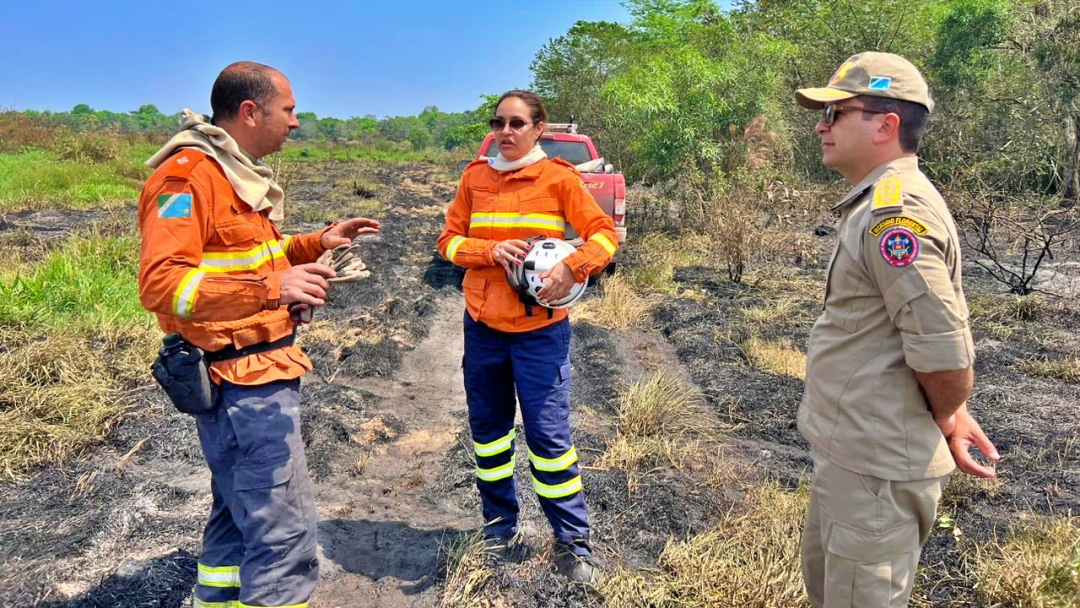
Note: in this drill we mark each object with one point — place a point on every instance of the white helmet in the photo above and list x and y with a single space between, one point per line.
541 257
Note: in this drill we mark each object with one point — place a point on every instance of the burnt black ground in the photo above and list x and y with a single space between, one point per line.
87 533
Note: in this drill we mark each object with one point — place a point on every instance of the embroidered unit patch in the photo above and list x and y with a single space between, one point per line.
899 247
910 223
174 205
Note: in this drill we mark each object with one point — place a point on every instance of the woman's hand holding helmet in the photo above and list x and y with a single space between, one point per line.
508 252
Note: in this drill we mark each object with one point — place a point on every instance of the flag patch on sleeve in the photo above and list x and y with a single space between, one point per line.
174 205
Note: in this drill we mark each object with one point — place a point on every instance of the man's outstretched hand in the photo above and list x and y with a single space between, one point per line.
344 232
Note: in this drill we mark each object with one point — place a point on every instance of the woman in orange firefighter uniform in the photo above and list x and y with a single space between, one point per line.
510 346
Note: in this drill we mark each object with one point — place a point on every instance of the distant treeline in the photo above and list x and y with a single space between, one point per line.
432 128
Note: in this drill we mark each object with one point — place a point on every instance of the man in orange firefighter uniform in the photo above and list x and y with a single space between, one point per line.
217 271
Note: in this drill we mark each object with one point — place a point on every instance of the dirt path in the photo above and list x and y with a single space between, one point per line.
379 532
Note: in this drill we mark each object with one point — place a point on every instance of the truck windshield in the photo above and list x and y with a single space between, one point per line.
573 152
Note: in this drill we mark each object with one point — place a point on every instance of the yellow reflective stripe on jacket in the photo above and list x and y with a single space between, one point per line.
554 464
219 576
451 249
233 261
243 605
184 297
285 243
496 473
604 242
540 221
498 446
557 491
197 603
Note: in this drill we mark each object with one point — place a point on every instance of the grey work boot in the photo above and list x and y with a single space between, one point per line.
578 568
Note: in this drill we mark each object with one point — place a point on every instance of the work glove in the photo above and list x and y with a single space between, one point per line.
346 262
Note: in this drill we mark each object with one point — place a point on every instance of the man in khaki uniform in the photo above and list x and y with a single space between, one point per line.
889 364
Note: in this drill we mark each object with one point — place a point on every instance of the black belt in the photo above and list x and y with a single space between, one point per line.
231 352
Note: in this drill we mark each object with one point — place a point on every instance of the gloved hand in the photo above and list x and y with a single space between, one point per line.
346 262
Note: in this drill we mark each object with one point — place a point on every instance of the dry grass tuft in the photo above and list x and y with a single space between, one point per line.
658 406
465 560
62 392
751 559
1038 566
618 306
1066 370
654 270
778 358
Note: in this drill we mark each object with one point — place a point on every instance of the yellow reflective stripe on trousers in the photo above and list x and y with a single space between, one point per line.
197 603
184 297
604 242
540 221
496 473
219 576
243 605
234 261
451 249
498 446
557 491
554 464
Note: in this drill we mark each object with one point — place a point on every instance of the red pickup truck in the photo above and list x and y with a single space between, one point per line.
606 185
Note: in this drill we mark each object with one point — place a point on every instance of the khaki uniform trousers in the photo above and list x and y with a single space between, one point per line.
863 537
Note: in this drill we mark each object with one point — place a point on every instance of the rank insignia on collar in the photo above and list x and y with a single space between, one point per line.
899 246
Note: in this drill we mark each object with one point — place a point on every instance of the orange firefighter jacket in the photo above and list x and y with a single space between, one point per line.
210 268
492 206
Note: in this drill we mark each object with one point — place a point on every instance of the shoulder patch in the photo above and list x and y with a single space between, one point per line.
888 194
181 164
899 246
177 204
901 221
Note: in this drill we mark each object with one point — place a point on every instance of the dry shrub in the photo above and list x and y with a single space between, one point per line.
60 392
618 306
779 358
1038 566
751 559
88 147
18 131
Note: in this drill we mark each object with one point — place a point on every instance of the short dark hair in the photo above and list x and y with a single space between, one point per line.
240 82
912 118
536 105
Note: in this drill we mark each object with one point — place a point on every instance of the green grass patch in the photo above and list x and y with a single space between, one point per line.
73 338
87 284
38 179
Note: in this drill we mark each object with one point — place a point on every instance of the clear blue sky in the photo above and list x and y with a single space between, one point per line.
348 58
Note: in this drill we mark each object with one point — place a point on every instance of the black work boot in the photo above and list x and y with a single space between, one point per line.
578 567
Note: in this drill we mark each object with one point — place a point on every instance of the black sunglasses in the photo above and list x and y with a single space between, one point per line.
831 112
517 124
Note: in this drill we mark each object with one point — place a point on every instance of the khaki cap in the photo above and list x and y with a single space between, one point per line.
872 74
